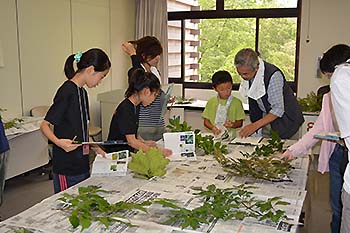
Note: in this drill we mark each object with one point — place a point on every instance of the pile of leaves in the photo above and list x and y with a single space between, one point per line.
232 203
311 103
149 164
260 164
88 206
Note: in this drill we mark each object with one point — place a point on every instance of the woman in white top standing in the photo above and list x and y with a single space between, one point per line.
145 53
336 62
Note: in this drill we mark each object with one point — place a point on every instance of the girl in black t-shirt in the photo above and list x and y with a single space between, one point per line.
69 115
143 89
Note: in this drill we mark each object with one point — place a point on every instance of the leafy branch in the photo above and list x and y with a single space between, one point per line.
14 123
260 164
274 145
231 203
311 103
88 206
176 126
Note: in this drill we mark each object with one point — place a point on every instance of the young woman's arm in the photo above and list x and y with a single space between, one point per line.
65 144
140 145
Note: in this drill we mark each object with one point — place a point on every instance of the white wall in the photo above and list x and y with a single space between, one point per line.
34 50
10 88
327 23
45 34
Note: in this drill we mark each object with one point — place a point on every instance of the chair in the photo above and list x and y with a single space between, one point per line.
39 111
94 131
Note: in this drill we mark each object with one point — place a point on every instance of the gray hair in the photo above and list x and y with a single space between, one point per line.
247 57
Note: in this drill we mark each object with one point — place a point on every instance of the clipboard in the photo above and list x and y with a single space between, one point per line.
166 98
103 143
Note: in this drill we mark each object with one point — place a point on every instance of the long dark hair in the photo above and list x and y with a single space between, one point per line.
93 57
139 80
334 56
147 47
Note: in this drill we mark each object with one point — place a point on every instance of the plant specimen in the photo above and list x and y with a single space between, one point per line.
149 164
88 206
209 146
231 203
14 123
260 164
176 126
311 103
274 145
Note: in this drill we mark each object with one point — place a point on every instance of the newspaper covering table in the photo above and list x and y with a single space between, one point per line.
181 177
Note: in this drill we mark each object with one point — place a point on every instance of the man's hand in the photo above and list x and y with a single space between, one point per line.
248 130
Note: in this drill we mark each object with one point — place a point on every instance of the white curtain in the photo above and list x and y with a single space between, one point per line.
152 20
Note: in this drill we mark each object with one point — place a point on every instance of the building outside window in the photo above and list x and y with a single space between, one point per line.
205 35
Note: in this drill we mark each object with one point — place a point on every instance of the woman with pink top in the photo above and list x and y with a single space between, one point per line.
330 157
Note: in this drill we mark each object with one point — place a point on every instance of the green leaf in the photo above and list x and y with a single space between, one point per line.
74 220
149 164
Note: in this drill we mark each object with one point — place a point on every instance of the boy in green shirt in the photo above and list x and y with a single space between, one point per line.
223 111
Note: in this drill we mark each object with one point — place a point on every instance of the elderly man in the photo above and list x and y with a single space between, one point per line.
271 100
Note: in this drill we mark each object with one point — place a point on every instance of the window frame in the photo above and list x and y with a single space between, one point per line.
220 13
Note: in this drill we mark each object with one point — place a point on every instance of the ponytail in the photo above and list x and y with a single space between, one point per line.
93 57
139 80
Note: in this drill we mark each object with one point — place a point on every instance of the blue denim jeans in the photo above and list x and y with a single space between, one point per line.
62 182
335 186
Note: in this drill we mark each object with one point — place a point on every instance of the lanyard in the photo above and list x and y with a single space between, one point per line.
83 125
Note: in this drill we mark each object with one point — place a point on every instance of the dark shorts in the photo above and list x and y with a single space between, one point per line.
62 182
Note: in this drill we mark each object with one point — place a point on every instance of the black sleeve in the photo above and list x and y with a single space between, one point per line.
59 107
127 120
124 122
136 63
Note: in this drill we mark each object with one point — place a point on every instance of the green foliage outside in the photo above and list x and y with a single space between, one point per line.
221 39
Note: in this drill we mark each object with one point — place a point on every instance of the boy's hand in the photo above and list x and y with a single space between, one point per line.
216 130
228 124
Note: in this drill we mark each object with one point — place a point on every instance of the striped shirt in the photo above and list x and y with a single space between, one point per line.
151 115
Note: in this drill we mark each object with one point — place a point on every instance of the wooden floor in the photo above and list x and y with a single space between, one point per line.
23 192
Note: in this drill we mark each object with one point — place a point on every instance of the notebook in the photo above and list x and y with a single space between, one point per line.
335 136
115 164
182 144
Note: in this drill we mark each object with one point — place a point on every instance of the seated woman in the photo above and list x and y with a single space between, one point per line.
143 89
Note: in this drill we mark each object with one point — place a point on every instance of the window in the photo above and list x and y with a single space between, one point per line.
205 35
